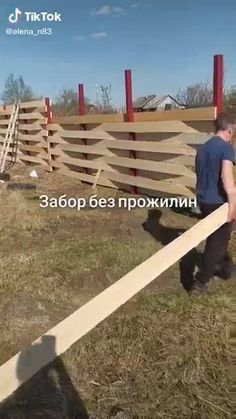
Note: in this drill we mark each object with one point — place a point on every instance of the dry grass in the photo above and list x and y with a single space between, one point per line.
162 355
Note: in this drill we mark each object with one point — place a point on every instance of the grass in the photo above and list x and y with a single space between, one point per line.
162 355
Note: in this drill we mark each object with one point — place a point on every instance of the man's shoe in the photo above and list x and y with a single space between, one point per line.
199 288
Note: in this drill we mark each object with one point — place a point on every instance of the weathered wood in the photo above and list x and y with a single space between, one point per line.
155 185
175 127
199 114
30 148
149 165
86 318
31 159
88 119
88 149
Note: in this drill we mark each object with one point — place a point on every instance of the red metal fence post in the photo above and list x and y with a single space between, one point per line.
130 118
218 87
81 100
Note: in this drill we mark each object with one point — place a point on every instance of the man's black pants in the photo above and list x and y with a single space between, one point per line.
215 257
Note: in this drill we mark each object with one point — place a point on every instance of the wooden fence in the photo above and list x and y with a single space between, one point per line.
155 154
28 145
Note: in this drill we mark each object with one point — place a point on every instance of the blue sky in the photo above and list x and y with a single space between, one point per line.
168 44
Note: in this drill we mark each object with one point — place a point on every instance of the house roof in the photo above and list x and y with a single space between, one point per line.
141 101
152 101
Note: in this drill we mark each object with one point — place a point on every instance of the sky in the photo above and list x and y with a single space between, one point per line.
168 45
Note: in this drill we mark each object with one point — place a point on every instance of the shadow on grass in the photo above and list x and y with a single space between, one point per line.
49 393
166 235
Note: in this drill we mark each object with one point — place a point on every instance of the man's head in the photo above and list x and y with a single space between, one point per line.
225 127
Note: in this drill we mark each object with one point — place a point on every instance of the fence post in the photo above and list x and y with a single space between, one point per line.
130 118
218 80
49 133
81 109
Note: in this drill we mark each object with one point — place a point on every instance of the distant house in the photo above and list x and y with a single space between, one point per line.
154 103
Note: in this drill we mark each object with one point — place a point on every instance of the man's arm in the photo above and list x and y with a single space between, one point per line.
227 176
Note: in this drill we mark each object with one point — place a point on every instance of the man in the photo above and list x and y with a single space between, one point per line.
215 186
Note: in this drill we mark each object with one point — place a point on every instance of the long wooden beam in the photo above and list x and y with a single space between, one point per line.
82 321
199 114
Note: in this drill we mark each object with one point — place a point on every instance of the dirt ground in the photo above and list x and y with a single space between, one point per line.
162 355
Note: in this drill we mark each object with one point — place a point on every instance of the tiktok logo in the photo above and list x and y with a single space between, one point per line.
15 17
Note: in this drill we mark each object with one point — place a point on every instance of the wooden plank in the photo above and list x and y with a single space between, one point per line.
183 160
88 135
189 182
86 318
86 178
190 139
31 159
30 105
148 127
30 148
89 164
152 166
54 127
154 185
88 149
31 138
88 119
146 146
33 116
30 127
199 114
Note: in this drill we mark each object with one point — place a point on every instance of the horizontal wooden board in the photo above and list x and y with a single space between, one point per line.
101 151
198 114
29 105
87 178
148 146
87 135
31 159
152 166
146 127
191 139
88 119
31 138
30 148
162 186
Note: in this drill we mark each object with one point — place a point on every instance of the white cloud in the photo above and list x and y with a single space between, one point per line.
79 38
134 5
98 35
108 11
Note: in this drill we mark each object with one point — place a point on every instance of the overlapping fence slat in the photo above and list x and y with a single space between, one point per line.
105 151
28 144
159 161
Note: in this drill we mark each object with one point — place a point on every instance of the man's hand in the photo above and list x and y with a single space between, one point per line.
232 212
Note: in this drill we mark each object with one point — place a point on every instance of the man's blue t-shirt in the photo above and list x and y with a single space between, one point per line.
208 165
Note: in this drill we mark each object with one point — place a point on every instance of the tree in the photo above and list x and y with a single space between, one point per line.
66 103
106 98
198 95
230 99
15 89
104 103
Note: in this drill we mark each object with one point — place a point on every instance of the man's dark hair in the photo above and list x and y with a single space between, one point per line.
224 122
